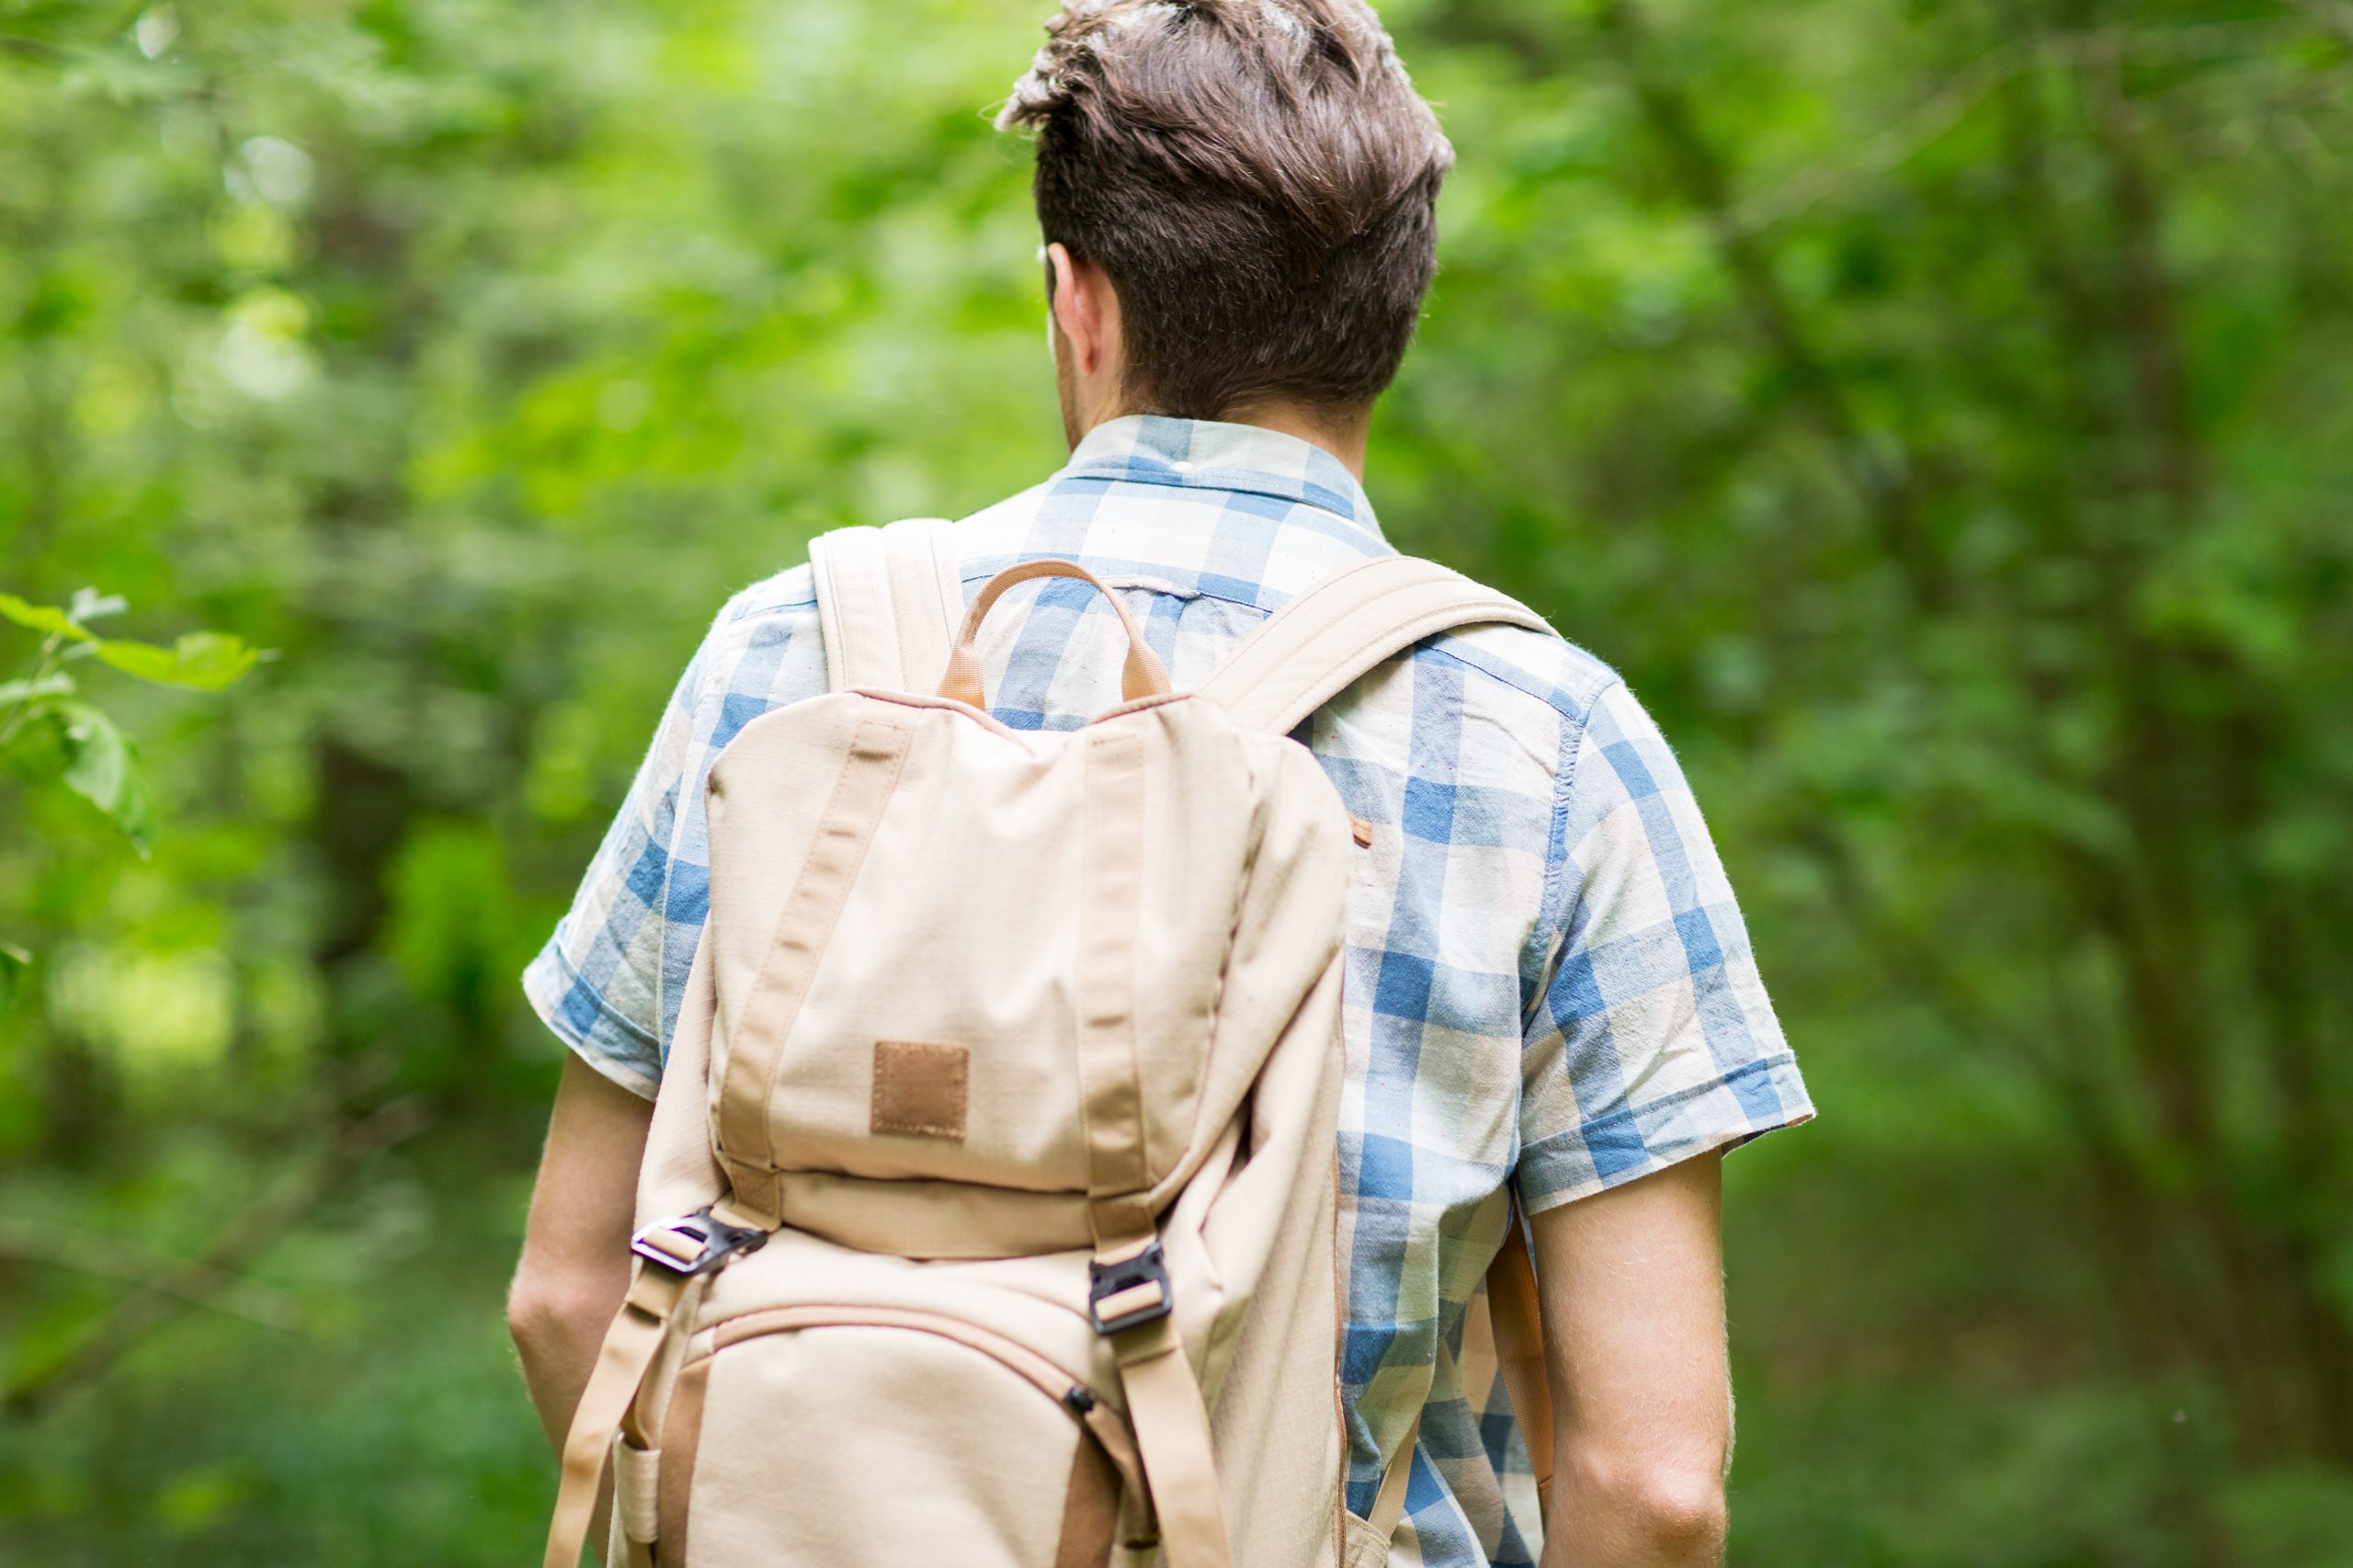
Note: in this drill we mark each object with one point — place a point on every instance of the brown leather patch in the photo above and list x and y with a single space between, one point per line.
919 1089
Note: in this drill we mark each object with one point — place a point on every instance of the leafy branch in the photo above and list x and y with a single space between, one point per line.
50 732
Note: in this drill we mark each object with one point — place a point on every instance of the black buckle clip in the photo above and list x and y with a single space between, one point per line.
1104 1281
707 1243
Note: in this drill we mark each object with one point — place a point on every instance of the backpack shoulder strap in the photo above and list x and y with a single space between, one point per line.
1326 640
1308 652
888 601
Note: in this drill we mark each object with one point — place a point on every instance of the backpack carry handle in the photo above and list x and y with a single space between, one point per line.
1142 676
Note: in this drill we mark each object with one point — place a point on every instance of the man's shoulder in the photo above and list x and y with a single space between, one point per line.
782 597
764 650
1523 677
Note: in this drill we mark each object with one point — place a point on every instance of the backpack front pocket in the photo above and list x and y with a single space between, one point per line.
991 1455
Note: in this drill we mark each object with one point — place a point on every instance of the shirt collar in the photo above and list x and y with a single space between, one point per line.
1205 454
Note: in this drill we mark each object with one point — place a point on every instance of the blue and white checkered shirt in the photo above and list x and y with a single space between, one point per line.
1549 984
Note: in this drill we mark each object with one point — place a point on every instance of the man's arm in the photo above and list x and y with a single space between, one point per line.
1630 1281
576 1263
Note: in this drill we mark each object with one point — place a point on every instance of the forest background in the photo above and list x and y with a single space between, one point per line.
1941 411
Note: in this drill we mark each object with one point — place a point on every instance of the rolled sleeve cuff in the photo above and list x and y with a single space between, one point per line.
600 1036
1633 1142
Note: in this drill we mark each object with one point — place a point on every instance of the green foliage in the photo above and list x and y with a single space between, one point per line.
1940 414
47 732
206 661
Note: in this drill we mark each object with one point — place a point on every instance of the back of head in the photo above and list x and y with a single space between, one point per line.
1257 179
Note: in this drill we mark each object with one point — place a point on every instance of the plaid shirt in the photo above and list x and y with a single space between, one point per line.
1549 985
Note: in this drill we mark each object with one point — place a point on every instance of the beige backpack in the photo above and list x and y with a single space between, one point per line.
989 1201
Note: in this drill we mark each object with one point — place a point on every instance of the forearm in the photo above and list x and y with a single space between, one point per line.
575 1266
557 1334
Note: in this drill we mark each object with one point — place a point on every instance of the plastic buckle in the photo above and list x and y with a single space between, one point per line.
1106 1281
695 1243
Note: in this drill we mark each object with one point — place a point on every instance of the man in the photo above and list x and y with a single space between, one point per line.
1550 992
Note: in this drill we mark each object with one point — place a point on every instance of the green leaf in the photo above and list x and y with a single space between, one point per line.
57 683
42 618
204 659
103 768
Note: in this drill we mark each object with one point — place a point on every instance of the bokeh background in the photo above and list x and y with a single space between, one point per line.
1941 411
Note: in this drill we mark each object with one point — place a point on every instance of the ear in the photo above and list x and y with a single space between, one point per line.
1084 309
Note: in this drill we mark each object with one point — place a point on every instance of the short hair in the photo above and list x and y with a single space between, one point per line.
1256 178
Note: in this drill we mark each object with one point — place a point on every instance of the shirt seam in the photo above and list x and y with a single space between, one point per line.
1558 906
615 1071
1777 1065
1551 697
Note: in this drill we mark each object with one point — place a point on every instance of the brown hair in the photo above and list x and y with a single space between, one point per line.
1257 179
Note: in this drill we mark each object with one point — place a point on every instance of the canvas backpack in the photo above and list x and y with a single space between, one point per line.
988 1206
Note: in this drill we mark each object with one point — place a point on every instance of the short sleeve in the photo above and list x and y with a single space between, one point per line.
610 981
1652 1040
597 981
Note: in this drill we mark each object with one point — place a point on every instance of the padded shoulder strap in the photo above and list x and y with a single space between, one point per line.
1326 640
888 601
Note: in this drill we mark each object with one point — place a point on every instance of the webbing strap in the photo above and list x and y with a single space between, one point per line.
803 928
629 1347
1388 1503
1326 639
889 600
1164 1404
1111 1080
1172 1427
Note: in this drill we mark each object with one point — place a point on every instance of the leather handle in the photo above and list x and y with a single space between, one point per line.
1142 676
